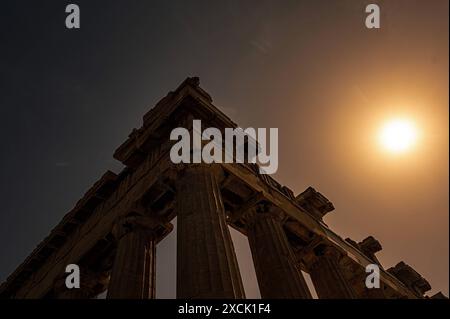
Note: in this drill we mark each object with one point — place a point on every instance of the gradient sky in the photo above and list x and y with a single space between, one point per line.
69 98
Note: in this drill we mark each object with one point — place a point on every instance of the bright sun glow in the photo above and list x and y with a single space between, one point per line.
398 135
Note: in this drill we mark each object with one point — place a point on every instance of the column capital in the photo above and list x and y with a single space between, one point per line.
153 225
322 251
179 170
325 250
263 210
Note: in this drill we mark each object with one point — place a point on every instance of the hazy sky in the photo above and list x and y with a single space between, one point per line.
69 98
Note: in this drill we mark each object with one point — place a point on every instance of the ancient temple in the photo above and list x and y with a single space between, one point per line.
114 230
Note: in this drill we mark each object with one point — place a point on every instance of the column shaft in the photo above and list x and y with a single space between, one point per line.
328 277
206 262
274 261
133 274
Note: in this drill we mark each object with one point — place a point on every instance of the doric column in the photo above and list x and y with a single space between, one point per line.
274 261
206 262
327 274
133 273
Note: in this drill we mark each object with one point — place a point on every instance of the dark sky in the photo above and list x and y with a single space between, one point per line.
69 98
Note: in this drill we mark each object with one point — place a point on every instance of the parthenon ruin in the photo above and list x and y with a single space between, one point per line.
113 231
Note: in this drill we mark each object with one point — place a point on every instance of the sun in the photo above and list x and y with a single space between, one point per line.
398 135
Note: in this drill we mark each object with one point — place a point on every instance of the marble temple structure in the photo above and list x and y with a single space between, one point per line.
113 231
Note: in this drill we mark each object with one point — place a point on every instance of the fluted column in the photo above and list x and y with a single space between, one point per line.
206 262
327 275
274 261
133 273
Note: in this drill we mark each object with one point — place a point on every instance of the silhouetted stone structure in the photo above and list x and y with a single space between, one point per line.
113 231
